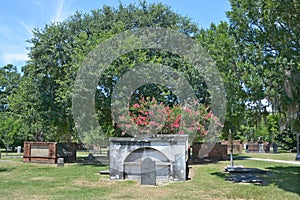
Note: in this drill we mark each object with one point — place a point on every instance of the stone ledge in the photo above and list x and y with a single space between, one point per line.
152 138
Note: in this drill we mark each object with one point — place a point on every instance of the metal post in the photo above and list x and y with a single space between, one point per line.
298 153
231 149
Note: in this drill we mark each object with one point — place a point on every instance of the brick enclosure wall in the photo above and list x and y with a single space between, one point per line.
237 146
218 152
254 147
51 156
48 152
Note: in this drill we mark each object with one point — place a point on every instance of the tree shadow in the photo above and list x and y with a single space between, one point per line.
99 161
222 175
286 178
239 157
94 163
6 169
203 161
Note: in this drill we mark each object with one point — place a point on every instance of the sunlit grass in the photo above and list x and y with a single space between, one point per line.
78 181
278 156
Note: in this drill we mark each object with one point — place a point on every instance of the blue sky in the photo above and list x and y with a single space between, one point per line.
19 17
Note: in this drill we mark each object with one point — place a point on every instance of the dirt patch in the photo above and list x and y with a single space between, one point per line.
142 192
29 196
41 178
103 182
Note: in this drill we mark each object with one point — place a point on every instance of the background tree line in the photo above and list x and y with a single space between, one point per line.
256 52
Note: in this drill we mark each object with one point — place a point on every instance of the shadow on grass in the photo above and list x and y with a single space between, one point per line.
239 157
94 163
286 178
203 161
6 169
222 175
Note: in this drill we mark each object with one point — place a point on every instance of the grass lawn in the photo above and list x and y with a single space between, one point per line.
20 180
279 156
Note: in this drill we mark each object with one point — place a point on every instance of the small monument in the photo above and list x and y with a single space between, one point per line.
261 148
91 158
19 149
60 162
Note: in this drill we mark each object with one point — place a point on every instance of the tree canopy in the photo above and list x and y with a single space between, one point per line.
256 52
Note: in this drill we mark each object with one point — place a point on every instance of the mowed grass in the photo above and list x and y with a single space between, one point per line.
282 155
20 180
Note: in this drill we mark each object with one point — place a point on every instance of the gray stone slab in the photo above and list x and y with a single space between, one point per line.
39 151
244 170
148 175
159 138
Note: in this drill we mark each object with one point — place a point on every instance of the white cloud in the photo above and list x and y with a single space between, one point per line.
63 9
14 33
59 11
13 58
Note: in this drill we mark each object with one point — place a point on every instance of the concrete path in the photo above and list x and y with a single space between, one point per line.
272 160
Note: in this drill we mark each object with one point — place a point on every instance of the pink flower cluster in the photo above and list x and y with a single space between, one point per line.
167 120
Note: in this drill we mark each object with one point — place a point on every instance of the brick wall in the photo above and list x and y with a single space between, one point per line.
40 152
48 152
254 147
218 152
237 146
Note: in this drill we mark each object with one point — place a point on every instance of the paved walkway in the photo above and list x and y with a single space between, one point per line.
272 160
